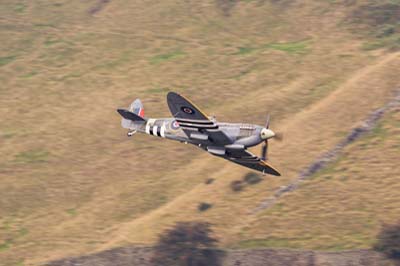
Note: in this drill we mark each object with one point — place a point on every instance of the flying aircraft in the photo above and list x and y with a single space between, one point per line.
191 125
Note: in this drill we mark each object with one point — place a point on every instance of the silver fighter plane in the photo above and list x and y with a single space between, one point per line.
190 125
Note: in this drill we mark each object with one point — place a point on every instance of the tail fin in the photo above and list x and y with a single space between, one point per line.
135 113
137 108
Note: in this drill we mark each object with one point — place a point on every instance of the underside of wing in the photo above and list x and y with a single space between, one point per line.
247 159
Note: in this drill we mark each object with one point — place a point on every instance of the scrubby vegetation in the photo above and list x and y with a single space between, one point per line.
381 21
209 181
187 244
203 206
252 178
237 185
389 241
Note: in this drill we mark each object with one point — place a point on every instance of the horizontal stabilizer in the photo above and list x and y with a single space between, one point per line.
130 116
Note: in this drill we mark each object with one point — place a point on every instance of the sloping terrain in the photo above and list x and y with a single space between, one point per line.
350 199
72 183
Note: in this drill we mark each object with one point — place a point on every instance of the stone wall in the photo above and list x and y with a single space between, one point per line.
140 256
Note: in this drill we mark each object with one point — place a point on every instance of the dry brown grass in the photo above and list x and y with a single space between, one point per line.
72 183
343 206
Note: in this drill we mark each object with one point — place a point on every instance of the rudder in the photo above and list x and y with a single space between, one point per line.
137 108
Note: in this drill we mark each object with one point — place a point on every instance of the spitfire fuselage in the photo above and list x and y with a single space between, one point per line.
245 135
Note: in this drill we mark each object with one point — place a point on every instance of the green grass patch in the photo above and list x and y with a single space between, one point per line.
5 245
166 57
335 246
30 74
157 90
44 25
7 134
245 50
7 59
391 43
300 47
277 207
71 212
19 8
32 156
50 42
7 225
272 242
379 132
20 262
23 232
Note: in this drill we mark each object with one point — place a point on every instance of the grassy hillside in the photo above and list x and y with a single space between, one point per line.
342 206
72 183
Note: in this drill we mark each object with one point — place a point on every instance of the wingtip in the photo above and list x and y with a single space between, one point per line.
172 93
122 112
274 172
271 170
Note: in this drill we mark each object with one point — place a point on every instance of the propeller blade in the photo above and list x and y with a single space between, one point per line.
267 123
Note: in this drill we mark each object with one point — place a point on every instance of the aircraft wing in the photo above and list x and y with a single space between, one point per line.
182 108
194 122
247 159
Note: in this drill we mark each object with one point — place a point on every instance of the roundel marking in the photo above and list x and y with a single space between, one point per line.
175 125
187 110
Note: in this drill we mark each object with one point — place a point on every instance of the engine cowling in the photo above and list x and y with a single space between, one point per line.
266 133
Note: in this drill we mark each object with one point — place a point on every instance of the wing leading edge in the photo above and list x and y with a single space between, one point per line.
247 159
181 107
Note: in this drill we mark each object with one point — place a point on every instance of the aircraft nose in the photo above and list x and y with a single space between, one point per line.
267 133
